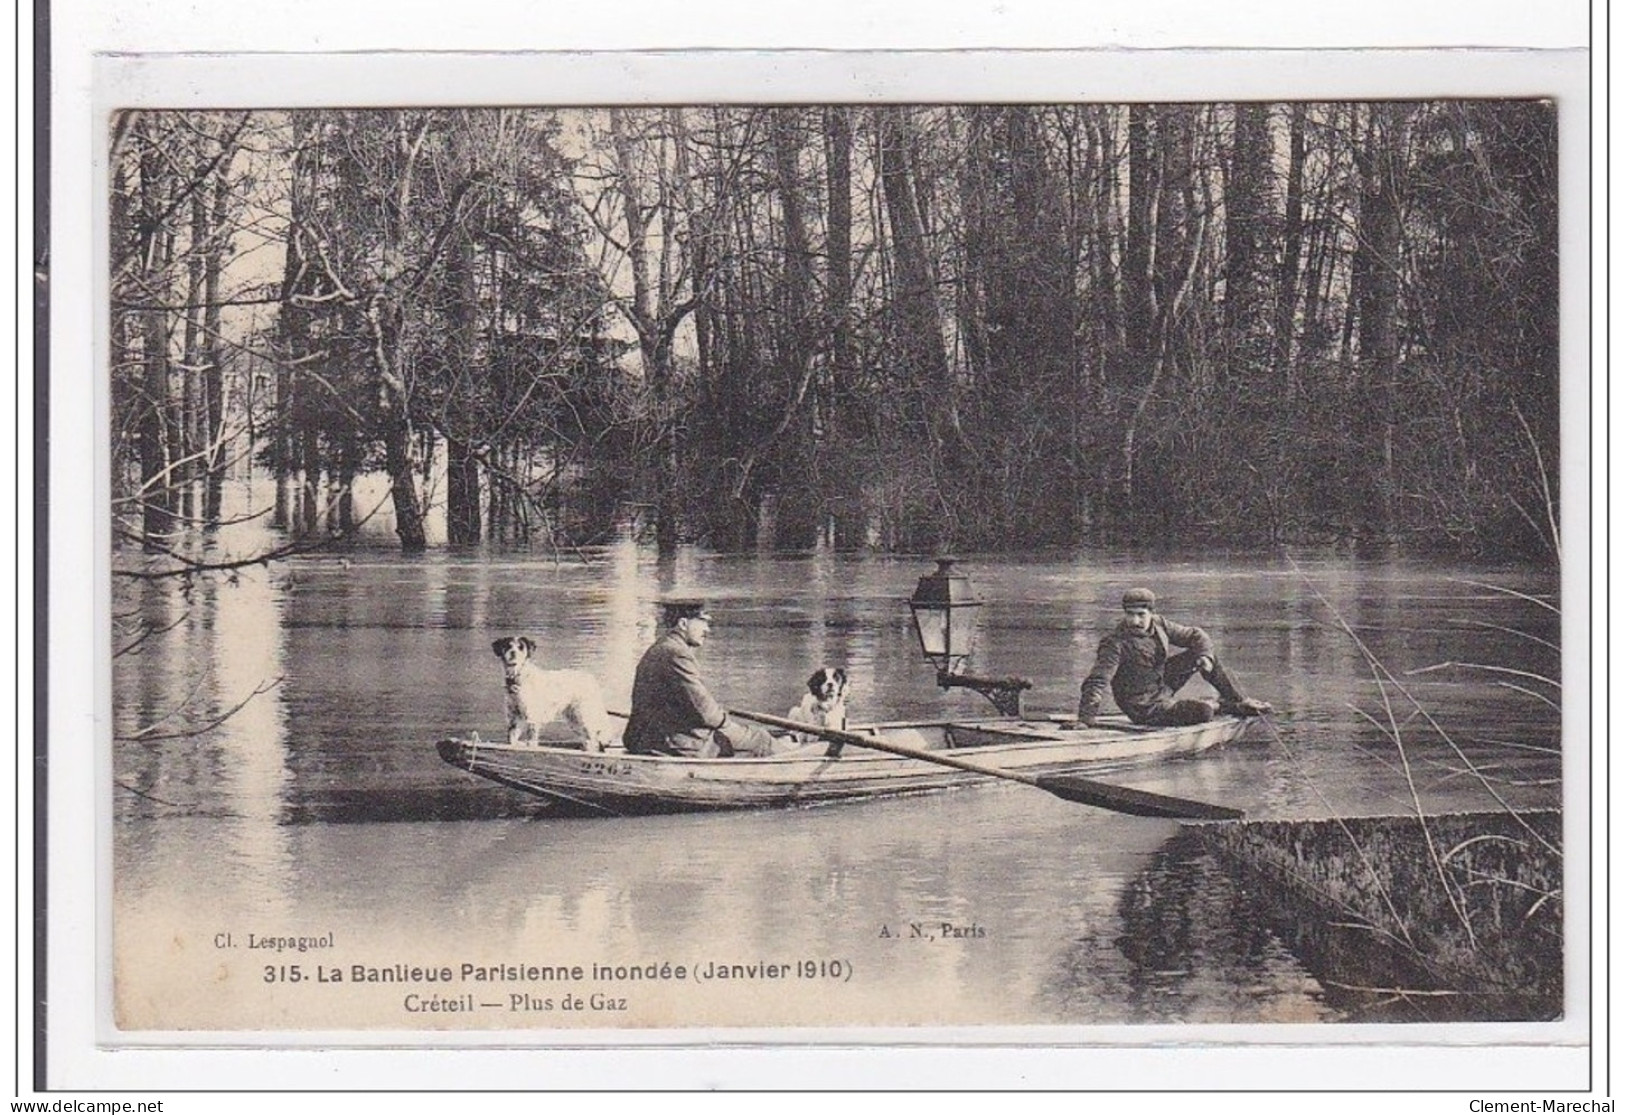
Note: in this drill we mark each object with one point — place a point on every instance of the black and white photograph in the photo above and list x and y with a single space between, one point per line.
648 568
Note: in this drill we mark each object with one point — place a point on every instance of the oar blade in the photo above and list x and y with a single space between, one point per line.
1138 803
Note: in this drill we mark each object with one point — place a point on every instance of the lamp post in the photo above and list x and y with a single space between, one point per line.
944 608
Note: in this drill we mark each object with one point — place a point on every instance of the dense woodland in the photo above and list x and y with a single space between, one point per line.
976 326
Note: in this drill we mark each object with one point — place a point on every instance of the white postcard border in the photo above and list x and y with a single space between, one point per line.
80 805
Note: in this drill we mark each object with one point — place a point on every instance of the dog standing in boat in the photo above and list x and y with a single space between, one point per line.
537 696
824 704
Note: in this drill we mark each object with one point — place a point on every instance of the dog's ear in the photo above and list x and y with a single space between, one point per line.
812 682
840 679
525 641
498 646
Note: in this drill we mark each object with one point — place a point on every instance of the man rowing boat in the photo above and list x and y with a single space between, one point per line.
673 713
1138 663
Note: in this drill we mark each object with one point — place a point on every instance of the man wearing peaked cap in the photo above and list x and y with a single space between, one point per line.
673 712
673 610
1137 661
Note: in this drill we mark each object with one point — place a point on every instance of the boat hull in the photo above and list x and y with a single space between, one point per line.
615 782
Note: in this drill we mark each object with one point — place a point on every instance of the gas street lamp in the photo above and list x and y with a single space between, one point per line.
945 610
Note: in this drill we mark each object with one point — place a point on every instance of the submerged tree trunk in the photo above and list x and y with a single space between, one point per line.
310 466
403 490
462 494
462 469
349 456
400 442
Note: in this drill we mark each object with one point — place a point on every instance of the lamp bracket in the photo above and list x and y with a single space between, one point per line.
1005 693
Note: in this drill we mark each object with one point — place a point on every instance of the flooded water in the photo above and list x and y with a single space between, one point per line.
318 807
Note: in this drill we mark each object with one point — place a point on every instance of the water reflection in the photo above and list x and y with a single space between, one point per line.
151 637
1197 951
628 621
248 662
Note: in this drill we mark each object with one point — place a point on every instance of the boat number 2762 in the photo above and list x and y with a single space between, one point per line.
610 767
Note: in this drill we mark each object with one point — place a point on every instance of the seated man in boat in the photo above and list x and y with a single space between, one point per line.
673 713
1146 660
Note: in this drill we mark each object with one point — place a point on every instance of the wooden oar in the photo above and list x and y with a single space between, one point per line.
1120 799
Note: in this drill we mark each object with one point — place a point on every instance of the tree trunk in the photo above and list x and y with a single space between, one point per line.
214 373
462 494
1176 243
280 509
1318 333
157 485
349 458
919 318
1380 235
1286 286
192 421
798 429
838 187
1180 226
387 321
156 482
462 469
293 321
1249 241
296 452
310 466
1358 307
1102 167
400 442
403 490
652 342
1139 302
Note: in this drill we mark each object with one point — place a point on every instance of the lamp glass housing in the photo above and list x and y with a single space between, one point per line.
944 607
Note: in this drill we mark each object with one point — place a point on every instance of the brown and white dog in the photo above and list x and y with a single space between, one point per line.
823 705
825 701
537 696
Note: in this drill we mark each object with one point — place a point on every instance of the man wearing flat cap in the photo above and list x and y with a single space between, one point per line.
1146 660
673 713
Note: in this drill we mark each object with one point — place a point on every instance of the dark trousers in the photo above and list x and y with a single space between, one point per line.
1168 711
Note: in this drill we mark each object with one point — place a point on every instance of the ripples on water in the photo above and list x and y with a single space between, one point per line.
1088 917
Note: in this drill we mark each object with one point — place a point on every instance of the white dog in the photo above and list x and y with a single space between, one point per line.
537 696
824 704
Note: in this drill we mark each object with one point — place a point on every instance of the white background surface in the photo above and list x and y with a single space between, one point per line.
325 25
82 29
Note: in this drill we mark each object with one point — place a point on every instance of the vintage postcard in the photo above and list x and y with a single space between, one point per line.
1065 558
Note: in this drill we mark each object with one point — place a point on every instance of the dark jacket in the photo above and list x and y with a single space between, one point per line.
1132 664
669 699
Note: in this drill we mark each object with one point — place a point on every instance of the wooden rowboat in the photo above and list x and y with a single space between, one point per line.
615 782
